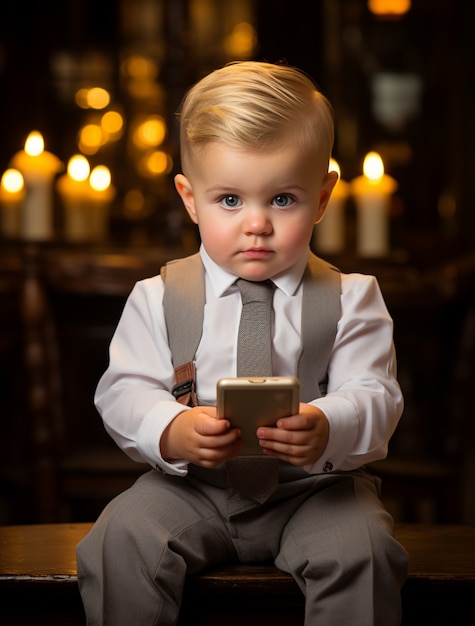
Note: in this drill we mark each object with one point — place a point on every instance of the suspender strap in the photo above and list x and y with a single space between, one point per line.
183 303
321 310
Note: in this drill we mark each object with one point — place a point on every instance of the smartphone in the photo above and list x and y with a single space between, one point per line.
258 401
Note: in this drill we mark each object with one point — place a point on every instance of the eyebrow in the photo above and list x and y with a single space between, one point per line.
218 188
285 188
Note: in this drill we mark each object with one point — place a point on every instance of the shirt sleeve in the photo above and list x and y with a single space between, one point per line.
134 394
364 401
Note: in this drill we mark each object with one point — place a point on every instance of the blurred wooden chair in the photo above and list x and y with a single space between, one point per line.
71 304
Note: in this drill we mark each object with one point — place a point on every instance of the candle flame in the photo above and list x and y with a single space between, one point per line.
100 178
373 167
334 167
78 167
34 144
12 181
389 7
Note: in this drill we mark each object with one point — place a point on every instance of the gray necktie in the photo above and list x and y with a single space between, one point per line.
254 479
254 350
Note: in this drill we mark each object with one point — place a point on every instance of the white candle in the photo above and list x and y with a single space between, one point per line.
372 193
75 193
12 194
38 168
329 234
102 194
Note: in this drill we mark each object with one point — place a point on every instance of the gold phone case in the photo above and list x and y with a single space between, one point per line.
256 401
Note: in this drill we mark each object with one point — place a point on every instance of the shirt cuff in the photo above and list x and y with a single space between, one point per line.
344 424
150 433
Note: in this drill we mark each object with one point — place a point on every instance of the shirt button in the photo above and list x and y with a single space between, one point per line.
328 467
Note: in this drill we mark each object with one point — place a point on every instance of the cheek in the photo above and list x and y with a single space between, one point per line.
216 234
297 233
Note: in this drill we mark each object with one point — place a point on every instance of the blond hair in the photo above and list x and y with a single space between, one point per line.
256 106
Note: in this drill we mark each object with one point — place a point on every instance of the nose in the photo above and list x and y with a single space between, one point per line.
257 221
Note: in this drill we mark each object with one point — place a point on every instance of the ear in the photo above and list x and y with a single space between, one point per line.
329 181
185 191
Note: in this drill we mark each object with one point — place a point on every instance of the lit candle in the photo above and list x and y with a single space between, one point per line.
75 193
102 194
12 194
38 168
329 234
372 193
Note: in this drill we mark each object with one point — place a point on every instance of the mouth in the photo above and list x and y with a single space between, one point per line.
257 253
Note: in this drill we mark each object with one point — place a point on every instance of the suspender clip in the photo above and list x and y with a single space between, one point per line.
181 389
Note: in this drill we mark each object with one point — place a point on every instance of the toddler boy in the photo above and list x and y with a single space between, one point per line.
255 145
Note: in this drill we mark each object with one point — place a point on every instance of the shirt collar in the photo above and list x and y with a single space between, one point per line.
221 280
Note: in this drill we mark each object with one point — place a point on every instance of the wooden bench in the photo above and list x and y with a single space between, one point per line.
38 582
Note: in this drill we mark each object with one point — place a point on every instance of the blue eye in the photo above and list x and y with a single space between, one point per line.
282 201
230 201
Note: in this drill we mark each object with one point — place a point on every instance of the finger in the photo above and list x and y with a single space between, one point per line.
292 459
297 437
286 448
210 426
219 441
212 457
297 422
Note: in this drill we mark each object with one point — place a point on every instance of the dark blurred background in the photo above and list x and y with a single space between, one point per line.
400 84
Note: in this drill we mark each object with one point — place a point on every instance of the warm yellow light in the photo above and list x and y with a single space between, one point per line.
81 98
373 167
112 122
158 162
150 133
144 90
34 144
334 167
93 98
98 98
139 67
90 138
242 41
389 7
100 178
34 162
78 167
12 181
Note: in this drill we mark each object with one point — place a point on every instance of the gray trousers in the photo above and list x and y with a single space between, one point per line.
330 532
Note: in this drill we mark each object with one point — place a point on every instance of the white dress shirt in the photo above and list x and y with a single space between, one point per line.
363 404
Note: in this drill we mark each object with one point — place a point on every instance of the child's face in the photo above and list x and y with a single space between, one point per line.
255 211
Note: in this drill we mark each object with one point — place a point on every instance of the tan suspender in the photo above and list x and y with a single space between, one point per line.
321 311
183 303
184 300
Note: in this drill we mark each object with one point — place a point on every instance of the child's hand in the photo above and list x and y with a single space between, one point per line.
198 437
300 439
